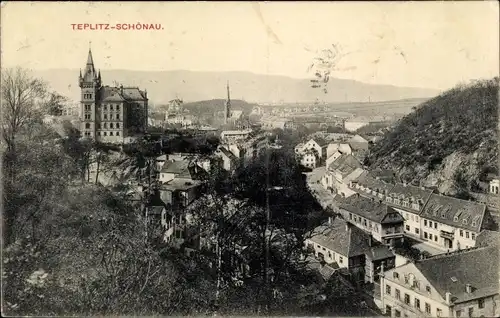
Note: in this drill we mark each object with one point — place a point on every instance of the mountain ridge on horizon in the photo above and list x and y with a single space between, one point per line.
163 86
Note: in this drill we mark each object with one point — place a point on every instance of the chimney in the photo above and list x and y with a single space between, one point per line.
121 89
468 288
448 298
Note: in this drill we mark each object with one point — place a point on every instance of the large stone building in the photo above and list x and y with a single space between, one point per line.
110 114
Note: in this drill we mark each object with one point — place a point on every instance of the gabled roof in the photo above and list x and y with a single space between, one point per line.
350 241
320 141
345 164
176 167
379 252
372 210
477 267
358 138
409 191
133 94
227 153
111 94
455 212
368 181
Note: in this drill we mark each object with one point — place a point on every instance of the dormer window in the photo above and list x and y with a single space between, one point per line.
395 275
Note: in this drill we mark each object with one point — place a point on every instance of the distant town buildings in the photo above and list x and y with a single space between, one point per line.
110 114
494 185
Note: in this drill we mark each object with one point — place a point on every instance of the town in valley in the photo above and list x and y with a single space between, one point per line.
124 199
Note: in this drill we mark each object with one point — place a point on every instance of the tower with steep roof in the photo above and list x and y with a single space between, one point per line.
90 83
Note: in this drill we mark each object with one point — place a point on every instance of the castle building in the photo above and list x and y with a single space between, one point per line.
110 114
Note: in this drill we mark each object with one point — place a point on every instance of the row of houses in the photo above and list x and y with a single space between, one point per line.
461 280
317 151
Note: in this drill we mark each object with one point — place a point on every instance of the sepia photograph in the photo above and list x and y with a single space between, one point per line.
306 158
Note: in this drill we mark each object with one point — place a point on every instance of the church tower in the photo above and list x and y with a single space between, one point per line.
227 108
90 83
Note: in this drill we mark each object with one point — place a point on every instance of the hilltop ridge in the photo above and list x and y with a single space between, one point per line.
449 139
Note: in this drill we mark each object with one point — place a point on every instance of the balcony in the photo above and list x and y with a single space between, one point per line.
447 235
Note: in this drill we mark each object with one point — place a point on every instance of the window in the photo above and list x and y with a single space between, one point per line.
87 116
117 107
395 275
87 107
398 294
471 311
427 308
459 313
408 228
435 225
98 133
428 289
118 116
466 234
105 125
425 222
473 236
480 303
110 107
417 303
350 216
105 116
425 235
111 125
417 231
387 289
397 313
439 312
388 310
462 233
98 126
430 223
87 126
430 236
435 238
407 299
111 133
341 260
105 133
118 133
105 107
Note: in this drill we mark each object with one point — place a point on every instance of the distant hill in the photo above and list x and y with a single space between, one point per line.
163 86
451 139
210 107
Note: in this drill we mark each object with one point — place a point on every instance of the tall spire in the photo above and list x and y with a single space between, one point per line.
228 97
89 74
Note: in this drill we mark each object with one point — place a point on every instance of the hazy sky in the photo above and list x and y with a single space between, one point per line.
435 44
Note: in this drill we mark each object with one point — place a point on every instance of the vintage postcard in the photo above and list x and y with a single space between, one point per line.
250 158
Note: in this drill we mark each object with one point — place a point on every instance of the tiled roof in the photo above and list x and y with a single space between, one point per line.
348 242
358 138
451 272
227 153
345 164
487 238
111 94
372 210
181 184
455 212
379 252
320 141
409 191
176 167
133 93
368 181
